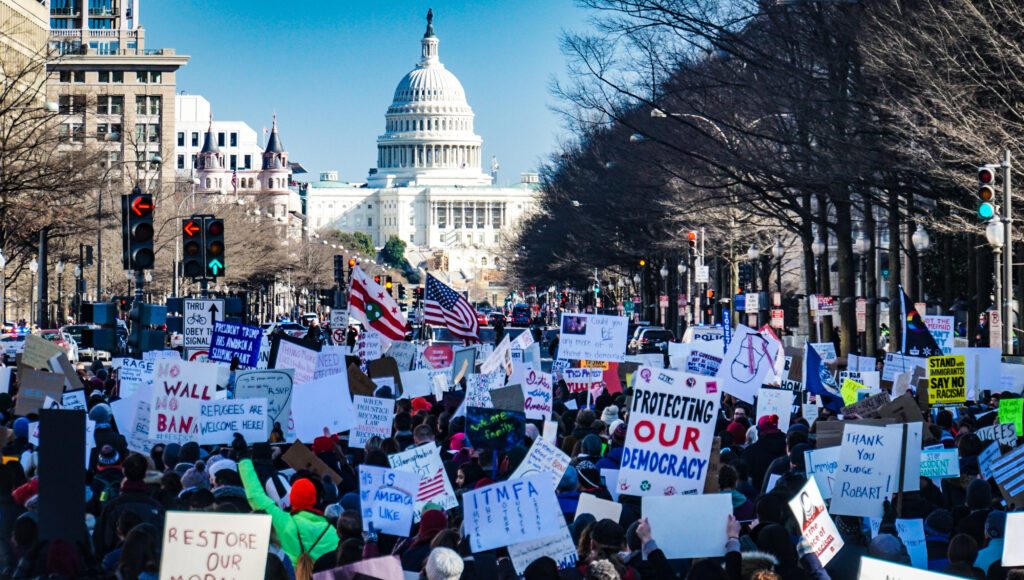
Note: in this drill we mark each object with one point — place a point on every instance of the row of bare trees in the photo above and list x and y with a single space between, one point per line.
792 121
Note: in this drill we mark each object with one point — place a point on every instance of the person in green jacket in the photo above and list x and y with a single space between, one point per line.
303 529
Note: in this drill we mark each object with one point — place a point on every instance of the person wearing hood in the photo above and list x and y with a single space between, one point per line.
995 527
19 444
742 507
963 552
938 527
105 433
567 494
133 497
227 485
979 501
585 420
770 444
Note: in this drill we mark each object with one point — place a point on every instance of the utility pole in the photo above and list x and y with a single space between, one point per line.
1007 310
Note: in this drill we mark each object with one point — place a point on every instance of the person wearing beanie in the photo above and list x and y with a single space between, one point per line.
19 444
589 478
446 564
133 497
414 550
420 404
995 527
590 449
303 529
105 433
963 551
195 477
770 445
979 501
890 548
172 453
543 568
795 438
607 540
610 414
938 527
568 494
106 483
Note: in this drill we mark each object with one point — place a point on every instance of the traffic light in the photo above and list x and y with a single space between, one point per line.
388 285
986 193
351 264
142 338
597 288
692 238
643 262
194 260
88 256
339 269
376 280
214 243
137 231
711 294
401 291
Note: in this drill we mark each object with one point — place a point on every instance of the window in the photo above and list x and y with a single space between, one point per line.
155 77
234 139
71 104
155 105
141 76
115 132
140 105
181 161
117 76
369 221
102 130
109 104
103 76
234 162
68 76
154 133
369 206
483 261
181 139
195 139
220 139
77 132
194 160
247 162
140 133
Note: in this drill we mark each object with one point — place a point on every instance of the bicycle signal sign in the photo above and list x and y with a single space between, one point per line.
198 317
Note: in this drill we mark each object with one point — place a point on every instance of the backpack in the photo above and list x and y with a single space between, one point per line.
108 491
304 565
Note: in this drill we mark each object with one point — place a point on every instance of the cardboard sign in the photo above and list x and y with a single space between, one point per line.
288 353
373 419
509 398
232 340
1010 411
678 537
599 508
74 401
869 462
543 457
217 545
672 420
823 464
538 396
1012 554
384 368
38 352
815 524
559 548
592 337
773 401
34 387
903 409
748 363
386 499
322 403
133 374
1004 433
274 385
179 388
495 429
1008 471
868 407
299 457
947 380
514 511
61 365
359 383
940 463
425 461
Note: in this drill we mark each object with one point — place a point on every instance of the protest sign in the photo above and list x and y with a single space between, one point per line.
416 384
599 508
509 398
1008 471
370 345
38 352
911 533
559 548
774 401
178 389
133 374
220 420
61 365
985 459
867 407
582 380
495 429
321 403
826 350
214 545
592 337
34 387
513 511
748 363
896 363
849 390
274 385
501 357
477 393
700 362
386 499
1010 411
463 363
868 470
74 400
381 568
373 418
438 355
385 367
299 458
1004 433
816 525
672 420
288 353
330 361
1014 539
358 382
232 340
940 463
543 457
681 537
403 353
941 329
823 465
1011 378
947 380
537 393
872 569
425 461
903 409
911 434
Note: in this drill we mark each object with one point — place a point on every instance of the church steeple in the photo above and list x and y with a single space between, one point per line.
274 156
210 157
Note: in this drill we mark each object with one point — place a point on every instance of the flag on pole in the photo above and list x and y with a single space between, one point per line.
370 304
443 306
818 380
234 180
917 339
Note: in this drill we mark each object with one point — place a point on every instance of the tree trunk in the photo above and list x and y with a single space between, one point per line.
895 274
810 276
871 284
824 267
847 278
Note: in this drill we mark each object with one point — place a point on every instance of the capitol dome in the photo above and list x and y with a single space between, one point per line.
429 138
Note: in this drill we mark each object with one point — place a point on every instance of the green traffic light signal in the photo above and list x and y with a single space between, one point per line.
986 211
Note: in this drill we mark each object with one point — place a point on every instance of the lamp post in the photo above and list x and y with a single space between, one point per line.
752 255
33 267
861 247
779 252
78 294
994 236
3 289
636 285
663 312
818 249
61 317
684 285
921 243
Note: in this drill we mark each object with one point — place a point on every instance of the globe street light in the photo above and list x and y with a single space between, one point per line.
33 267
921 243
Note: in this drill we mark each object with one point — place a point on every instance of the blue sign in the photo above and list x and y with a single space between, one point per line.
726 327
232 340
740 301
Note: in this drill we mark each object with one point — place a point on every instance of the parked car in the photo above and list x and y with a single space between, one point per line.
293 329
77 331
63 340
521 315
12 344
495 316
481 318
650 339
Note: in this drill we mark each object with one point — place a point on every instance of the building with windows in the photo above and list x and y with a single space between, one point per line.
428 187
111 90
23 34
236 140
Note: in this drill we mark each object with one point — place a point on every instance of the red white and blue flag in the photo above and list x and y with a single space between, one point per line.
443 306
371 304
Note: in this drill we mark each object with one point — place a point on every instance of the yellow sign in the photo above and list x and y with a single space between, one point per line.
594 364
849 391
947 380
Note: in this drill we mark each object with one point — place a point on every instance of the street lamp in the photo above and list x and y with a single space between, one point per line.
78 293
61 317
994 236
921 243
3 288
33 267
753 253
778 252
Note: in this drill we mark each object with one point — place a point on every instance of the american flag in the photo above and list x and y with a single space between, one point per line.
431 487
234 179
443 306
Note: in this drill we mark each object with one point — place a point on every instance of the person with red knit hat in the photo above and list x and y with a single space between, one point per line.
414 550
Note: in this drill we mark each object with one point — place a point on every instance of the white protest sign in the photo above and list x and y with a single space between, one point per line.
671 427
416 383
1012 554
537 394
500 357
896 363
478 394
274 385
826 350
197 318
402 352
872 569
386 499
322 403
220 420
178 389
912 451
133 374
816 525
582 380
73 400
559 548
869 461
294 356
425 461
941 329
702 362
370 345
543 457
1004 433
5 379
748 363
330 361
523 340
679 537
911 533
592 337
599 508
778 402
214 545
373 419
940 463
985 458
823 464
526 508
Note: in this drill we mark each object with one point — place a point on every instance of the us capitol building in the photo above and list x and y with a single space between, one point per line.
428 187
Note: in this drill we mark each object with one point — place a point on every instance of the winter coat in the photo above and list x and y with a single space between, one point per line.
134 498
758 456
295 530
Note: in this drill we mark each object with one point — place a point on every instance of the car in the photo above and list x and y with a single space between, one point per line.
292 329
481 318
63 340
521 315
495 316
650 339
77 332
177 340
12 343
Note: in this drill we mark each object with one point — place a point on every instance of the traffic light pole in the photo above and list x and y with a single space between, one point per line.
140 281
204 287
1007 306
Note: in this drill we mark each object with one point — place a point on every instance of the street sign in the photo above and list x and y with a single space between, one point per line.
339 318
995 329
826 304
627 306
663 301
740 300
197 318
703 275
753 302
197 355
778 316
862 315
338 335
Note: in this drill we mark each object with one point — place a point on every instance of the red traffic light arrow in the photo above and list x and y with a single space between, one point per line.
191 228
140 204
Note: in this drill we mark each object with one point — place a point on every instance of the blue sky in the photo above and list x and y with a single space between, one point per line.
329 69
